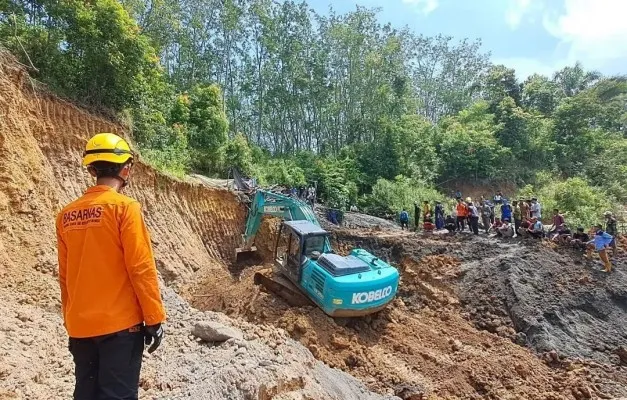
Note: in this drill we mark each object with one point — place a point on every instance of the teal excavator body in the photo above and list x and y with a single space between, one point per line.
342 286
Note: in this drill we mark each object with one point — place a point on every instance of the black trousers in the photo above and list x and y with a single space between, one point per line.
516 225
107 367
460 223
474 225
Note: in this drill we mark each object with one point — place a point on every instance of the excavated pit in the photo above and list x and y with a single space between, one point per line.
453 332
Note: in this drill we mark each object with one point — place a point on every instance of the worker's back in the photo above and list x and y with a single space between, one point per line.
105 258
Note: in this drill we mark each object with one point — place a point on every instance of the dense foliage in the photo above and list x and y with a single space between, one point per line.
373 114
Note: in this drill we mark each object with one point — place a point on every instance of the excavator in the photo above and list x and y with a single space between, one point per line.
307 270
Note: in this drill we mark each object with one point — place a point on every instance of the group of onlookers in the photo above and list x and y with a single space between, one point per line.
522 218
307 194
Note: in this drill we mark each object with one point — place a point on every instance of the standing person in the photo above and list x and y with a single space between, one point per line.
474 218
486 211
426 210
468 202
601 241
492 213
517 214
498 198
461 214
611 228
110 295
536 209
311 196
404 218
416 216
439 215
524 209
506 211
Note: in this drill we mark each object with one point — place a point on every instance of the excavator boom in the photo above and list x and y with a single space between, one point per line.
273 204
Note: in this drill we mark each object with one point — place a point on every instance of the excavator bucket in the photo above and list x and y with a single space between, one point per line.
283 288
245 254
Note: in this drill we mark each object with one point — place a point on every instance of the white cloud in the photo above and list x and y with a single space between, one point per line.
515 12
594 32
525 67
424 6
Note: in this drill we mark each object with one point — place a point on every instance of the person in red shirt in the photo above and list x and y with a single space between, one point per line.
462 214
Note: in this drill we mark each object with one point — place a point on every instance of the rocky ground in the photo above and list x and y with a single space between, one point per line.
249 362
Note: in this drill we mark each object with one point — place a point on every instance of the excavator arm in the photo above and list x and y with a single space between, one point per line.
277 205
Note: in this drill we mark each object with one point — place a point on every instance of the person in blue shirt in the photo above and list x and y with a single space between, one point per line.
404 218
439 215
601 242
506 211
536 229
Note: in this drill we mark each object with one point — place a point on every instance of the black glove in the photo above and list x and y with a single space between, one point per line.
153 332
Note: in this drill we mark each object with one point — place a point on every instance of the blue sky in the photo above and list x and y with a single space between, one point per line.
528 35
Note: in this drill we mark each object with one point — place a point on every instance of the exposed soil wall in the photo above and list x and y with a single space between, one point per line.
194 229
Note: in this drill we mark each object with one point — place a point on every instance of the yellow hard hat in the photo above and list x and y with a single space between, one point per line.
107 147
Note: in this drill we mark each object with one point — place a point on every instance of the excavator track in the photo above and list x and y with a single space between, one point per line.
282 287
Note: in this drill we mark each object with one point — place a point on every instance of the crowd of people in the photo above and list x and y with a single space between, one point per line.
306 194
520 218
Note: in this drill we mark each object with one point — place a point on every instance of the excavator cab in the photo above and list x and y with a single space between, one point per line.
296 243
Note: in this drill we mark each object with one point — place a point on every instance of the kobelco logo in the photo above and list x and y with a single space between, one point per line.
367 297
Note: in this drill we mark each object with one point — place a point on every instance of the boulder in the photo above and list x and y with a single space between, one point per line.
210 331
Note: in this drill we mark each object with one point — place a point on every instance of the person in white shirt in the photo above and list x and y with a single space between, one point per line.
506 230
474 218
536 209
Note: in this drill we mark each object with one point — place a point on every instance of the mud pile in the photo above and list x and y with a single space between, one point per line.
194 230
428 341
554 299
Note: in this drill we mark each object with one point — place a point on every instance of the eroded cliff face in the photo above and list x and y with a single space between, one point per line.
195 230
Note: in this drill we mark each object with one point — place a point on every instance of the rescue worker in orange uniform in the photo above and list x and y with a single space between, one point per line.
109 288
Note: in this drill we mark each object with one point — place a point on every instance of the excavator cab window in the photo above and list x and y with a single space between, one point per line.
294 256
314 244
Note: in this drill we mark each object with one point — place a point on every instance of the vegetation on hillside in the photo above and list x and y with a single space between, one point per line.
374 114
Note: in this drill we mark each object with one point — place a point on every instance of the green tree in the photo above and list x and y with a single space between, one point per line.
573 80
207 119
468 146
237 153
92 52
541 94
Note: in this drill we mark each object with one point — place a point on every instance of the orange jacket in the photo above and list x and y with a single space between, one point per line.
462 210
107 270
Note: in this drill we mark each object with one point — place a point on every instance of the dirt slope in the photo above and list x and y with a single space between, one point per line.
194 230
431 339
554 298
